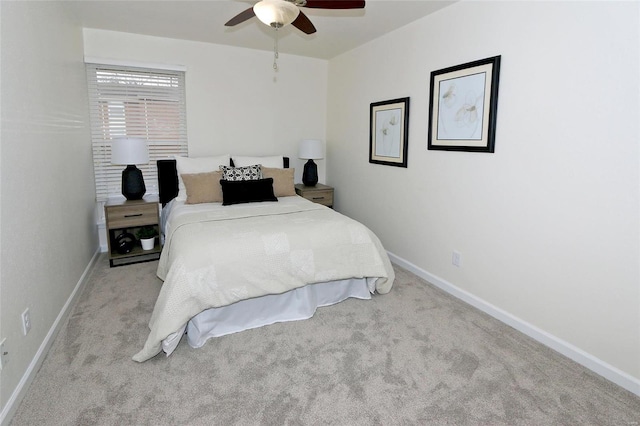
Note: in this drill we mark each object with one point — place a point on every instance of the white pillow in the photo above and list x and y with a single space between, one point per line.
274 161
189 165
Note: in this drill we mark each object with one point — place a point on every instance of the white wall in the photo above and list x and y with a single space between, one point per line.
548 225
236 103
48 233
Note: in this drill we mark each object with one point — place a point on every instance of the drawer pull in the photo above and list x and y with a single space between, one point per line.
133 215
318 198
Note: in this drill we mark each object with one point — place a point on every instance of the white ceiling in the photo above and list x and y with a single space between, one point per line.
203 20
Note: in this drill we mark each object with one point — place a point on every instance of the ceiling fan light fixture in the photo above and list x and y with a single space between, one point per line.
276 13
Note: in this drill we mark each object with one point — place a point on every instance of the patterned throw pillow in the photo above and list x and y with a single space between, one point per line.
235 174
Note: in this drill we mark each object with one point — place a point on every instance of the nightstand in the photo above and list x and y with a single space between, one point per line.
321 194
126 217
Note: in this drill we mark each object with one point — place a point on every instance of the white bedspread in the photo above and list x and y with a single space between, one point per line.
217 255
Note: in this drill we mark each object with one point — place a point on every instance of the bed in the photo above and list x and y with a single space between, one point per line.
237 265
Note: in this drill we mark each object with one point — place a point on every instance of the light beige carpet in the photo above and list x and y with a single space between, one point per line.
413 356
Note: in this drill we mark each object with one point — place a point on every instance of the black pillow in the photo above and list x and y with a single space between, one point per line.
247 191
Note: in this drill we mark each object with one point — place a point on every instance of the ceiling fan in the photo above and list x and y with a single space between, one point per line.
278 13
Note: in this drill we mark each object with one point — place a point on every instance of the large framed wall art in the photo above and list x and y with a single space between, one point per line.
463 106
389 132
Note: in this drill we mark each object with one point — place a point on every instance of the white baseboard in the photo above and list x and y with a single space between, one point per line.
20 391
102 235
609 372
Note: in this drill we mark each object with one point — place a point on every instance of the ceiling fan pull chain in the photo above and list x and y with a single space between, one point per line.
275 51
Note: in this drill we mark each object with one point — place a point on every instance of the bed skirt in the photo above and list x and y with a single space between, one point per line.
297 304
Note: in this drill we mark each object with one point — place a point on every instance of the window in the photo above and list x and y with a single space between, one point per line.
138 103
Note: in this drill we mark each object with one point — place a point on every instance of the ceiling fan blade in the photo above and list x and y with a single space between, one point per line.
335 4
241 17
304 24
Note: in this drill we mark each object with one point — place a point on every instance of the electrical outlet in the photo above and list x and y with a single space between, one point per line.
26 322
456 259
4 359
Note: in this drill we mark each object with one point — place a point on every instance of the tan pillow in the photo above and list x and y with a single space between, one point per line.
192 165
283 185
203 187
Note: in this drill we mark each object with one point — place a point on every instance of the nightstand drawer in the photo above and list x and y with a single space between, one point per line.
320 197
321 194
129 216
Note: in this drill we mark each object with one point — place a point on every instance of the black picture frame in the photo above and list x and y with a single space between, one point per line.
463 106
389 132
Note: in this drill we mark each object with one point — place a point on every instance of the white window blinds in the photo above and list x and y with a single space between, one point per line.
137 103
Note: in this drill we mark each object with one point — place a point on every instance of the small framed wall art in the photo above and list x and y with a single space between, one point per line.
389 132
463 106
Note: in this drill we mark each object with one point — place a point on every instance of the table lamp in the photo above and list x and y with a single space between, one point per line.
310 149
131 151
